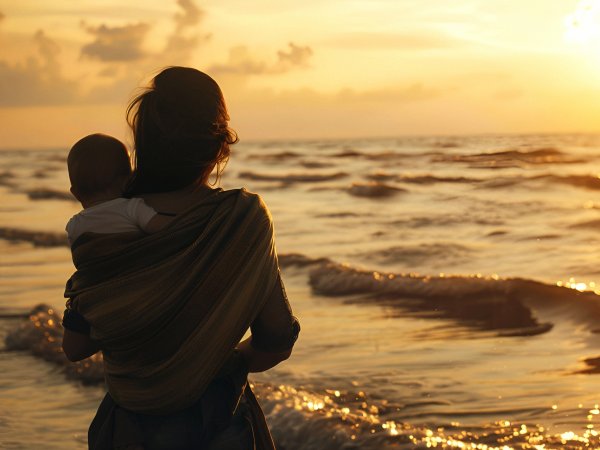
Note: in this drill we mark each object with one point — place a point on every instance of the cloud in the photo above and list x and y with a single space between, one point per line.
418 41
241 62
190 16
116 44
178 49
296 56
48 50
181 43
38 81
122 44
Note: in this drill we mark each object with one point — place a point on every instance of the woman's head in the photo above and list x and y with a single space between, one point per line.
180 130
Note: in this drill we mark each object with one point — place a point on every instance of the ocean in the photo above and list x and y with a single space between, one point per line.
448 290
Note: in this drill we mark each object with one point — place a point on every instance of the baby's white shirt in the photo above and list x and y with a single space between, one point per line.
114 216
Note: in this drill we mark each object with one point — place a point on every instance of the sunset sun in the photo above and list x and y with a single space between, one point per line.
583 26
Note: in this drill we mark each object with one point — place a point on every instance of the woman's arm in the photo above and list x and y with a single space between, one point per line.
78 346
259 361
274 332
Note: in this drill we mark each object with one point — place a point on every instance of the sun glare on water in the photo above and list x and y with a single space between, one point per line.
583 25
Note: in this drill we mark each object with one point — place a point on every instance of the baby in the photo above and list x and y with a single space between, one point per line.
99 169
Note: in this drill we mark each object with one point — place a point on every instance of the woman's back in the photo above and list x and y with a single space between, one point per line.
170 327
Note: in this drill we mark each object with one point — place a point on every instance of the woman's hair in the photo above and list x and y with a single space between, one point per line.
180 131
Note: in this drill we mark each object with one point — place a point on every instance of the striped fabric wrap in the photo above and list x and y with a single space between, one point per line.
168 309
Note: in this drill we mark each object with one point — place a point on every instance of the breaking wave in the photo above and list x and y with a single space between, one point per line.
41 334
488 303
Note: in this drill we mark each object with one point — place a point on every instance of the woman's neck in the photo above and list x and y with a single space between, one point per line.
179 200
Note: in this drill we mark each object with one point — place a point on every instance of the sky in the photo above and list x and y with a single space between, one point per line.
307 69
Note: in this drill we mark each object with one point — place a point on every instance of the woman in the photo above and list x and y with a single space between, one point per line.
168 310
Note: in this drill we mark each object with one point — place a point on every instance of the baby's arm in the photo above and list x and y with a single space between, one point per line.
146 217
157 223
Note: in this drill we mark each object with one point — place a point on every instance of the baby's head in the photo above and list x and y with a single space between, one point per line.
99 168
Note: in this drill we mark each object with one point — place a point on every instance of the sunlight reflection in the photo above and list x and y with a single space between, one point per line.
367 421
579 285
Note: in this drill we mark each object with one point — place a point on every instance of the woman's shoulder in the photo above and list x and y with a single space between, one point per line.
250 200
246 196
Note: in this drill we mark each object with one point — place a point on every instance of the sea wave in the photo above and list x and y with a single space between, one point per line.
416 254
431 179
326 418
583 181
7 178
591 182
445 144
293 178
281 156
49 194
331 415
37 238
41 334
377 156
315 164
510 158
593 224
420 179
374 190
299 260
489 303
444 220
330 419
338 215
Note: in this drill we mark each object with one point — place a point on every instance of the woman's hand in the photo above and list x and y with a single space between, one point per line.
78 346
258 361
